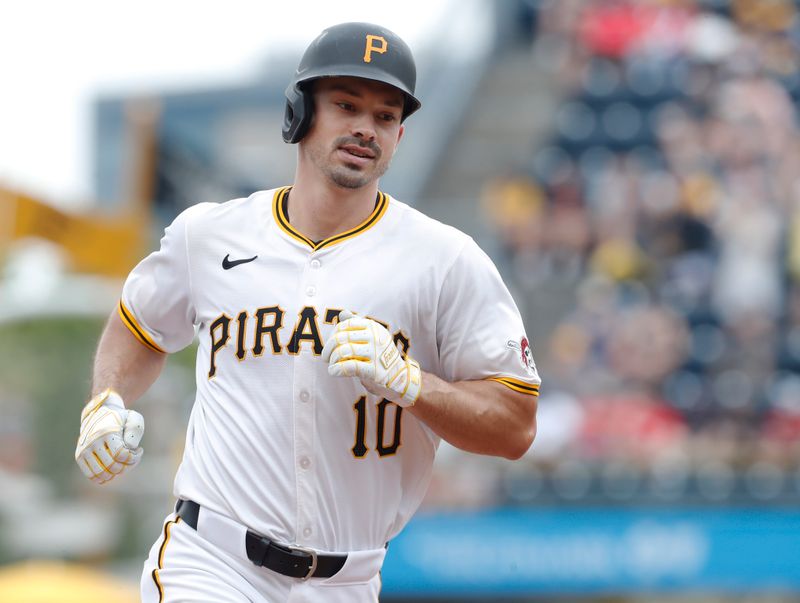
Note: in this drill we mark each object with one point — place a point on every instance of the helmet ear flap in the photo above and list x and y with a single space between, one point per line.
299 113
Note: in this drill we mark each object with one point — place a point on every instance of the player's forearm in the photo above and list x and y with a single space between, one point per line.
478 416
123 364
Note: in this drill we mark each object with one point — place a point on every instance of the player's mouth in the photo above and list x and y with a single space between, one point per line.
356 152
356 155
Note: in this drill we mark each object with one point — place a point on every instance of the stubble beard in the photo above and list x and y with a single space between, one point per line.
350 176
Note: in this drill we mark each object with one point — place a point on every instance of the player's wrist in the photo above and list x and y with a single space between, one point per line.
414 386
407 391
108 398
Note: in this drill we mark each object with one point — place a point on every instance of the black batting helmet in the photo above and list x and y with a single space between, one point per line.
350 49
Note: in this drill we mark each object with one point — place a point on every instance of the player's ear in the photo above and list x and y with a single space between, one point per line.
400 133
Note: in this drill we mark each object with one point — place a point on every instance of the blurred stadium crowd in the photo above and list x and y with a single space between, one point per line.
655 243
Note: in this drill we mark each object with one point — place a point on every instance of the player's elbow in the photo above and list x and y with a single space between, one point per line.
520 443
520 437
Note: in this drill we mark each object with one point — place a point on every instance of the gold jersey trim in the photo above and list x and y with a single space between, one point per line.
279 213
136 329
517 385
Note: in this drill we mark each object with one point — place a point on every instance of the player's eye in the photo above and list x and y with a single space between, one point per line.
388 117
345 106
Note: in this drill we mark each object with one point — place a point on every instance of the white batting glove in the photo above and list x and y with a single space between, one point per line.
362 348
109 439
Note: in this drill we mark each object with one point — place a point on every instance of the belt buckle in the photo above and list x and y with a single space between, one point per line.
313 554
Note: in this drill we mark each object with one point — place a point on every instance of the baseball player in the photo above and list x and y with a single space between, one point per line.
342 334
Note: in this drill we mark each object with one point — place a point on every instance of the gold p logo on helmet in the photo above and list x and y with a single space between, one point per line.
370 47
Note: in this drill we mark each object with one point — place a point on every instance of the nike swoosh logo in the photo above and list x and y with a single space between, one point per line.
227 263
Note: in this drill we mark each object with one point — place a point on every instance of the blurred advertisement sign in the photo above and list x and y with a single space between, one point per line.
105 245
595 551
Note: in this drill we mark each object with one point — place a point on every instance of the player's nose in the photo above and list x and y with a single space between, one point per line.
364 129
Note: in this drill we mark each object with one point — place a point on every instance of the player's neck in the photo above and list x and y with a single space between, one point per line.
321 211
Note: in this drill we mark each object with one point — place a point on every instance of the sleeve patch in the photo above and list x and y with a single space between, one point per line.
524 354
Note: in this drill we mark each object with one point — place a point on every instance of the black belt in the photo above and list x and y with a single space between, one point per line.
293 561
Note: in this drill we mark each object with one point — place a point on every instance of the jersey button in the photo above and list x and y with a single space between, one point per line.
305 462
304 396
315 264
311 291
307 532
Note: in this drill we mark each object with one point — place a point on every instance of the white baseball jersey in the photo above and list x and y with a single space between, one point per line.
273 441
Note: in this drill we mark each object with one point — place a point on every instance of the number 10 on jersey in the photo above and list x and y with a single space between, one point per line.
385 407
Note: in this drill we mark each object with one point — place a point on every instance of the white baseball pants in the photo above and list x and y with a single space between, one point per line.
184 567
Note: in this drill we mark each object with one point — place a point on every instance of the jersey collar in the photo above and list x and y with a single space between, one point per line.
279 213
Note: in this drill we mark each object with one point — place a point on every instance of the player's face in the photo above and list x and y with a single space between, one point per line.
355 131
